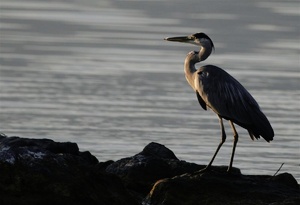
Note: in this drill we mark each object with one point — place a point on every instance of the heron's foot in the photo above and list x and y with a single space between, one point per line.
233 171
201 171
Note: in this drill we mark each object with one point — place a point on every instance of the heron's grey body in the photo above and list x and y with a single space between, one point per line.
223 94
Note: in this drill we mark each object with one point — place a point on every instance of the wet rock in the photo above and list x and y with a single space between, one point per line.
41 171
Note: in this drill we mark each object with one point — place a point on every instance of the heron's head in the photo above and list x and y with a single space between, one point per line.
199 39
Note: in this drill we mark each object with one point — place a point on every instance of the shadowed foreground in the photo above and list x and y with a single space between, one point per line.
41 171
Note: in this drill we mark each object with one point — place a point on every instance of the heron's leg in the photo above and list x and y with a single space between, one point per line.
236 138
223 139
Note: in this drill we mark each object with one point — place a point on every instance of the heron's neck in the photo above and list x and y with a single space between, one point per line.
190 61
190 69
204 52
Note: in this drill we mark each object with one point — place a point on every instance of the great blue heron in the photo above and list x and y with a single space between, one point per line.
223 94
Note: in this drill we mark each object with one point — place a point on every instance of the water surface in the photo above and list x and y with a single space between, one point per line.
99 73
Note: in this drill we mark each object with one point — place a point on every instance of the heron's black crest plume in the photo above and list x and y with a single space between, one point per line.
203 35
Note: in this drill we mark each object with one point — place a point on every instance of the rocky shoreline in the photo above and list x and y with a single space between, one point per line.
42 171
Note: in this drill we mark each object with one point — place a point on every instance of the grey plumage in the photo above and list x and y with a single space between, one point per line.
219 91
231 101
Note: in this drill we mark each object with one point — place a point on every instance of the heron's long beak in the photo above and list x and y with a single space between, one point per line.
183 39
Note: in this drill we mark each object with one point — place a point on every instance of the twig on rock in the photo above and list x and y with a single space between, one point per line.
278 170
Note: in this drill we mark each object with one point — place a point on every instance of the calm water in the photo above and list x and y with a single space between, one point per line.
98 73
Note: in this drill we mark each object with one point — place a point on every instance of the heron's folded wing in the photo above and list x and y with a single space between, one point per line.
201 101
229 99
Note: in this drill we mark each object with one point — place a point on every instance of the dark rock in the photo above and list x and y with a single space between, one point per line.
41 171
140 172
159 151
221 188
177 182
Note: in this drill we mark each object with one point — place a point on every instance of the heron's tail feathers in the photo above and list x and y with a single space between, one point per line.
261 127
